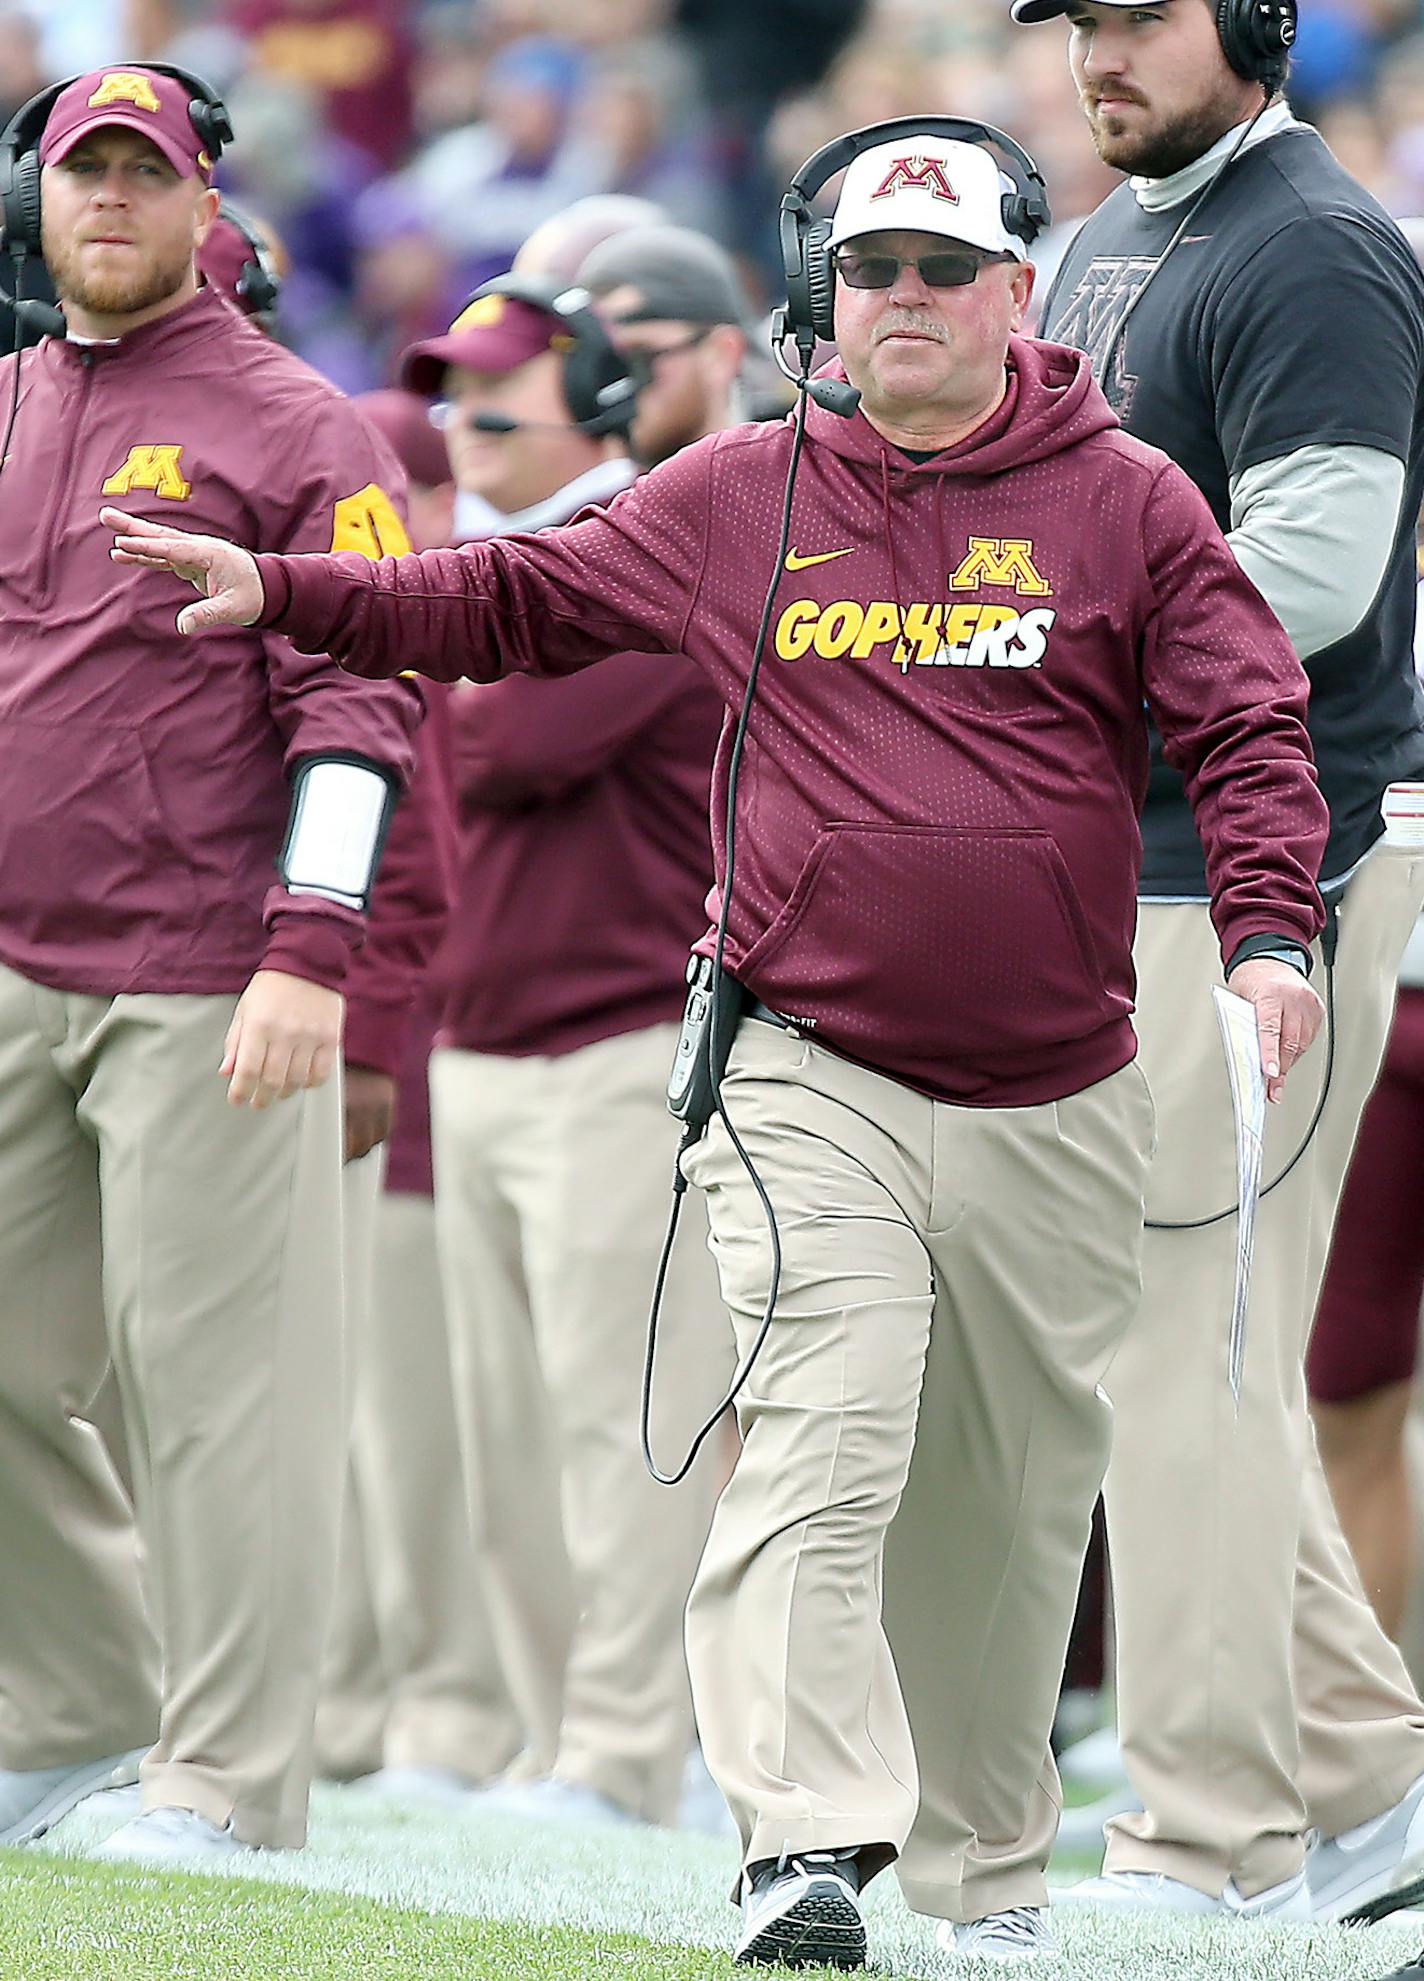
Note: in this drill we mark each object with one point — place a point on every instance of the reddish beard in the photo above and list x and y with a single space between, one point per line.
116 292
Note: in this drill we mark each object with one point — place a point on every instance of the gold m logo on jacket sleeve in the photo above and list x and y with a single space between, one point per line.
1000 561
151 467
367 522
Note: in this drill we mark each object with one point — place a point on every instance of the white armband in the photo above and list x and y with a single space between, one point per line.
341 809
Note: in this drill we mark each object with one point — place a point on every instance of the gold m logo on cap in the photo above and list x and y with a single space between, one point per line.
126 86
925 175
1000 561
479 314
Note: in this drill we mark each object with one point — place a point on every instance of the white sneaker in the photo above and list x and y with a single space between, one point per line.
173 1836
32 1800
1150 1891
1021 1933
435 1788
803 1911
1369 1861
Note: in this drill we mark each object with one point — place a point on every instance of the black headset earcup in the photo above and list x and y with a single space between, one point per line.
580 382
1021 219
1256 37
22 204
810 276
212 124
792 222
602 395
820 280
259 289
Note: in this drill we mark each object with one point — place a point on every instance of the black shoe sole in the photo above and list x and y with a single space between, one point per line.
820 1930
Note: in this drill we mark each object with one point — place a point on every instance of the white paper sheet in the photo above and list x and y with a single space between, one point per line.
1241 1044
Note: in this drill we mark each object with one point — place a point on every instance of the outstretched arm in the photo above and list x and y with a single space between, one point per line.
624 579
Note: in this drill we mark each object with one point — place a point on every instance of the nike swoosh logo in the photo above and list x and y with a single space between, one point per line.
796 562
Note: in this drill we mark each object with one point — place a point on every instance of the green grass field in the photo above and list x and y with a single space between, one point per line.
383 1894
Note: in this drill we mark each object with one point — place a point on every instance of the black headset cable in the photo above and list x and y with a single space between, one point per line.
1194 207
18 261
693 1134
1329 939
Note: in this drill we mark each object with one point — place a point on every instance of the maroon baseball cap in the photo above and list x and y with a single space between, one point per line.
136 99
493 333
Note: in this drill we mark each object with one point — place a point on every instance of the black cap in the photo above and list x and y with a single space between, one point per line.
1029 11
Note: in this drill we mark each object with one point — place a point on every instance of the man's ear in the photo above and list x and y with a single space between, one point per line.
204 214
1021 288
730 345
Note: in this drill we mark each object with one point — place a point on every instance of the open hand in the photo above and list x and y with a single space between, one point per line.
224 573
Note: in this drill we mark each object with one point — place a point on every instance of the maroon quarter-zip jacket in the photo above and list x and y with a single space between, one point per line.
937 829
145 786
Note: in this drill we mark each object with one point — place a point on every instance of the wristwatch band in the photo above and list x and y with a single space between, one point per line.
1280 952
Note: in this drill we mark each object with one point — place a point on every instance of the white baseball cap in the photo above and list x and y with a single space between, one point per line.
931 186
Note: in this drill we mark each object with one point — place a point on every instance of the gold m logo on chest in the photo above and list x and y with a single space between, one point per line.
1006 561
149 466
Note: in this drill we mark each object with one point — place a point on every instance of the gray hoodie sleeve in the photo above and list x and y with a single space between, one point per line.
1313 530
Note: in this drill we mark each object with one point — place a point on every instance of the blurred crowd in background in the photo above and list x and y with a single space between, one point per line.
403 149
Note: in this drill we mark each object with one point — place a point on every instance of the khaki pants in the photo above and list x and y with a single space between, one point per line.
954 1283
219 1231
351 1709
412 1677
1257 1694
552 1184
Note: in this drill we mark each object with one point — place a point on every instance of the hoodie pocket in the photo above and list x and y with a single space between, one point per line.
934 941
88 863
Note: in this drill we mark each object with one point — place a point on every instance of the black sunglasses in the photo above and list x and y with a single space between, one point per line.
947 268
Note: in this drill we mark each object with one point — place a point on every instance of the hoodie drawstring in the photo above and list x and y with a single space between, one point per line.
889 532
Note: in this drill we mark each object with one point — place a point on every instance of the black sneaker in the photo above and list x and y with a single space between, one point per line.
803 1910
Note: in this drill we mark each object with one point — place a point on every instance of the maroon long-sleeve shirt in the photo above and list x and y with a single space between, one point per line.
585 858
937 831
410 906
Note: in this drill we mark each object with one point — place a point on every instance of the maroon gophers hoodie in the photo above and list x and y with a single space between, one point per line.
937 841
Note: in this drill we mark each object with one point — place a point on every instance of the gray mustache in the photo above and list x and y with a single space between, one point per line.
917 324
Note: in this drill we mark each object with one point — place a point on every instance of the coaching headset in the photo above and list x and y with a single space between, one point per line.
600 390
20 156
20 214
259 284
1257 37
806 260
